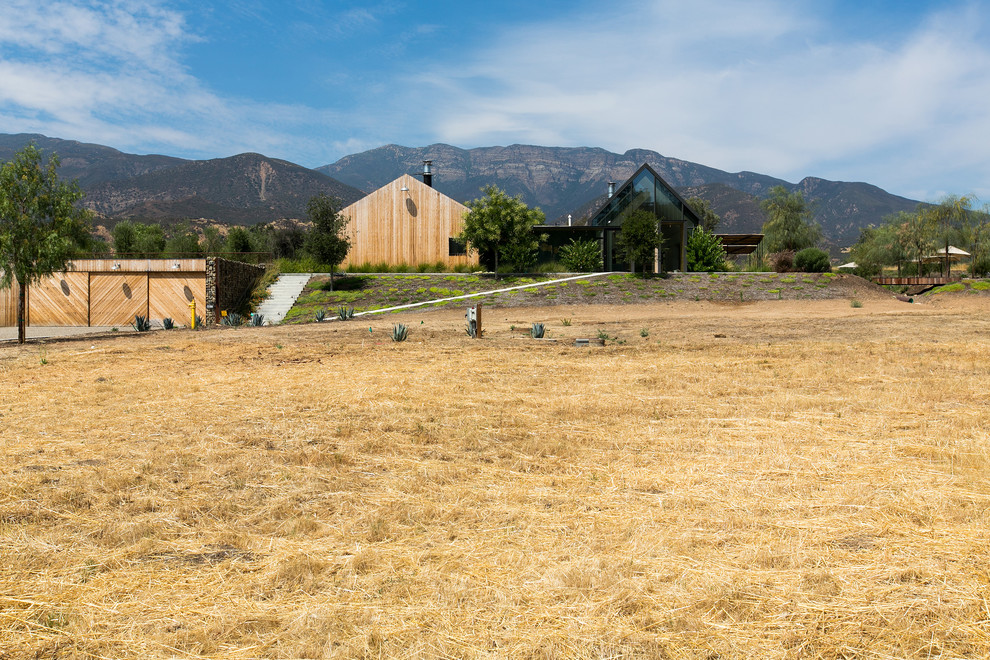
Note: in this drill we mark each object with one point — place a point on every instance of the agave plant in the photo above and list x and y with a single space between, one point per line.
537 330
167 323
233 319
141 323
344 313
257 319
472 330
199 321
320 315
399 332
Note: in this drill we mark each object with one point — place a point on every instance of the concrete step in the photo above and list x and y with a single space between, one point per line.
282 295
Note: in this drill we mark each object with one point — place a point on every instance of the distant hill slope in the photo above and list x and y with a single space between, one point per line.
90 164
243 189
566 180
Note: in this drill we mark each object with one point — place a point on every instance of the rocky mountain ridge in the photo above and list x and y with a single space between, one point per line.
563 180
252 188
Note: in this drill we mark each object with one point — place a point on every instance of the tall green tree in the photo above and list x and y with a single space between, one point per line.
709 218
139 240
639 240
917 233
239 240
37 223
500 229
949 219
183 243
327 240
213 240
789 225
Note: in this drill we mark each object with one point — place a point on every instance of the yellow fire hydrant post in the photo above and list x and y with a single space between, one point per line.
192 313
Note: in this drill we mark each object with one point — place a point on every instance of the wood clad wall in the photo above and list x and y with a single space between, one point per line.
169 295
62 299
139 265
8 306
116 298
94 293
410 227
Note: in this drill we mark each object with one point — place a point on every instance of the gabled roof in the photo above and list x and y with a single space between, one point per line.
393 190
620 193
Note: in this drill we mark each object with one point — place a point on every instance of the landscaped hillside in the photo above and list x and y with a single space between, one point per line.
565 180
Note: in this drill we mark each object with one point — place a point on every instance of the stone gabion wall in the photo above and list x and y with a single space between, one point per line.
228 286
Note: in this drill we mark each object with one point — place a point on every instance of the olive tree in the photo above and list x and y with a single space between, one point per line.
327 241
500 229
640 239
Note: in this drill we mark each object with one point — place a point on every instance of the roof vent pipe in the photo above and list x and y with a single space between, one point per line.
611 189
427 174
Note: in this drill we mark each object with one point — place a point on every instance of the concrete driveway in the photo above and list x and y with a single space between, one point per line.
51 332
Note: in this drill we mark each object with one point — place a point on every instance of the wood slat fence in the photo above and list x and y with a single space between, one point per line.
105 292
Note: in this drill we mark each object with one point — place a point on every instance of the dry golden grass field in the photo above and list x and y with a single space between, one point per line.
764 480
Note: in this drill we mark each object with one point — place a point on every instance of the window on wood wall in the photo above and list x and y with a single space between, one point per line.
456 247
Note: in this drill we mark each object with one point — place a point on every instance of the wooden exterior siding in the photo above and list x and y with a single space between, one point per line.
169 295
8 305
405 227
62 299
116 298
139 265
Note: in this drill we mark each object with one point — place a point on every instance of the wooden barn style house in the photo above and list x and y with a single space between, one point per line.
407 222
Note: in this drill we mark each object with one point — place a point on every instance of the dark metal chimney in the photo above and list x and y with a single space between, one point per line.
427 174
611 189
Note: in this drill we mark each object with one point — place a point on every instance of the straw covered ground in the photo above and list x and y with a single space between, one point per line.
774 480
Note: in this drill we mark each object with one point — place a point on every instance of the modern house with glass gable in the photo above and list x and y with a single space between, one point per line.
644 190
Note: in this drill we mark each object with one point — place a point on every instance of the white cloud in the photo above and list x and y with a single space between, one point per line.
111 72
736 85
764 85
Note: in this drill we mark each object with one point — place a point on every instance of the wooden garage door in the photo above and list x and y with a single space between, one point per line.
62 299
169 295
115 298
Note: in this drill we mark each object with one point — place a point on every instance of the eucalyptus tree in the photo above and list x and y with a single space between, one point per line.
789 226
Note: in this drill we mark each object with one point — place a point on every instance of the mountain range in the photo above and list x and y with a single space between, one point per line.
252 188
565 181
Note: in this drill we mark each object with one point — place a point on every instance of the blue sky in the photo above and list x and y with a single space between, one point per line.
893 93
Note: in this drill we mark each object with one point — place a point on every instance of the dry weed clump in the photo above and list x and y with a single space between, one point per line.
812 483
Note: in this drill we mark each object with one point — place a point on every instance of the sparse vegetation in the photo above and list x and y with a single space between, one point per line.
456 484
812 260
581 256
366 292
232 319
141 323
